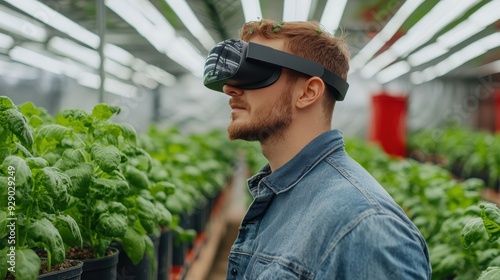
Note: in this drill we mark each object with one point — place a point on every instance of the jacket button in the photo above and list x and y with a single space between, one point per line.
234 271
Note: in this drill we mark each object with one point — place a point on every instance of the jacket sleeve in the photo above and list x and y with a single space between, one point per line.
380 246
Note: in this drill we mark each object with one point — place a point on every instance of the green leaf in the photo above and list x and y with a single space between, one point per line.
49 136
81 178
165 215
103 112
23 175
20 148
57 185
166 187
77 119
46 235
69 230
137 179
4 265
147 215
491 219
70 159
108 188
13 120
112 225
150 252
107 157
3 225
472 232
491 273
27 264
6 103
106 130
117 207
134 245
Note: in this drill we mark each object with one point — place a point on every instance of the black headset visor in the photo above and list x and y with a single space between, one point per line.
252 66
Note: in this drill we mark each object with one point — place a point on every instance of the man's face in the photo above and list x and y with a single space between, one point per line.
261 113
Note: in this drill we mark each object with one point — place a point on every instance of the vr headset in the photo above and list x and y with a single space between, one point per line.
252 66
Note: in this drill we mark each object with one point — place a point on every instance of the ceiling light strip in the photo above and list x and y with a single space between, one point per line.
20 25
192 23
54 19
6 42
136 13
296 10
251 10
443 13
457 59
36 59
394 71
332 14
382 37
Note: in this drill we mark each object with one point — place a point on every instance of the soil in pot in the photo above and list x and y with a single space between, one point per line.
95 268
69 269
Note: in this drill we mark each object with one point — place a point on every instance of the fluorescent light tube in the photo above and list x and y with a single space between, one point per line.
332 14
442 14
54 19
117 70
458 58
192 23
36 59
120 88
251 10
296 10
393 71
18 24
160 75
93 81
378 63
6 42
75 51
426 54
118 54
484 16
185 54
488 69
392 26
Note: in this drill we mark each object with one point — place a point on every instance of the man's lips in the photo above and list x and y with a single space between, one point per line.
235 107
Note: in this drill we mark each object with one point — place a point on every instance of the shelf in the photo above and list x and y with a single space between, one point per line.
491 196
200 257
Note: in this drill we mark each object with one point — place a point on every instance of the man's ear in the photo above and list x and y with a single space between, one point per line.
312 89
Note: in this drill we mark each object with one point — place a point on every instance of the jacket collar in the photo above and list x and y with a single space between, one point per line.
288 175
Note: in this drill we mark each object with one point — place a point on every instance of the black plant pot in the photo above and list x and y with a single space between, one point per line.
102 268
179 251
71 273
126 269
165 253
200 218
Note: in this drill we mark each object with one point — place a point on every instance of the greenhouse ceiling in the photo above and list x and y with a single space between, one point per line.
152 42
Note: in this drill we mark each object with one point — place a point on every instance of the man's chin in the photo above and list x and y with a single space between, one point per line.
236 132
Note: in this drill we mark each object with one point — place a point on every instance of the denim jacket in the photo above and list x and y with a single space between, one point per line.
323 216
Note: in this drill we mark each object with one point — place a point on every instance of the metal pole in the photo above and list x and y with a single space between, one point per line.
101 28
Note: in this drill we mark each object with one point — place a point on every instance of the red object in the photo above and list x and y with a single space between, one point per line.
497 110
388 123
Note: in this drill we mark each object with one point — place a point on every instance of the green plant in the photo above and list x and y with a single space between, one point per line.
37 196
481 234
438 205
467 153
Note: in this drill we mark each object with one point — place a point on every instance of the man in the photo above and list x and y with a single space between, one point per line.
316 213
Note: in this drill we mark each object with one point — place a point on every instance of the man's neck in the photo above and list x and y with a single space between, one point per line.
279 149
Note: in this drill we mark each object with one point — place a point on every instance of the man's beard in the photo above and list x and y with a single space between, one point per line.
269 121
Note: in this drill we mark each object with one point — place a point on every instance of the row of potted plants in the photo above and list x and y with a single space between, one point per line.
461 230
464 152
79 183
